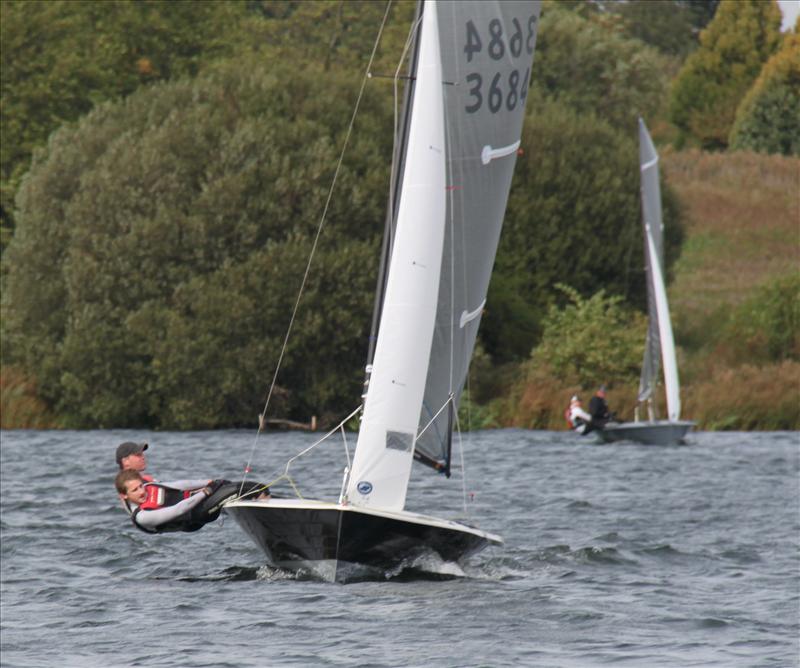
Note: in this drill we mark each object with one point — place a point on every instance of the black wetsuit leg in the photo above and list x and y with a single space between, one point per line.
222 490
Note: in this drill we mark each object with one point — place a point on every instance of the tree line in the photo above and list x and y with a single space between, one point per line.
158 214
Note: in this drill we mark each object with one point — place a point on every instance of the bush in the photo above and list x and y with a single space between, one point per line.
766 327
161 243
747 398
592 341
19 406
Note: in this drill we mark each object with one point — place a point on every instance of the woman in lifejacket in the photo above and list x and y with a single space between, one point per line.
577 418
182 505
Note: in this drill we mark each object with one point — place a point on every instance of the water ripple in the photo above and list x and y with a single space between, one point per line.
614 555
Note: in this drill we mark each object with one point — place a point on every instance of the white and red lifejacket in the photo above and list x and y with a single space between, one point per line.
157 496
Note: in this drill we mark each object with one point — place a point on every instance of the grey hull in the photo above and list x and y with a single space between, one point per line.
663 432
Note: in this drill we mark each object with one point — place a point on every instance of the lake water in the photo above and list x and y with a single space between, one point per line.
615 554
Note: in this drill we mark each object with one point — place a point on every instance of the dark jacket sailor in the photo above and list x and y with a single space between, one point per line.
598 408
181 505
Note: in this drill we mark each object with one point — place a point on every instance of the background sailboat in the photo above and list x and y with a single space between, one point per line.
660 344
471 67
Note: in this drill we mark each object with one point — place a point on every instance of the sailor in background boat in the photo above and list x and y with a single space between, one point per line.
181 505
598 408
578 419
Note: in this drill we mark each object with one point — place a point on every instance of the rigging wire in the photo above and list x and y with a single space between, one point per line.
263 416
463 464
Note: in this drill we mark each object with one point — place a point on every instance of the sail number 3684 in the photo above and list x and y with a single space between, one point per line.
498 92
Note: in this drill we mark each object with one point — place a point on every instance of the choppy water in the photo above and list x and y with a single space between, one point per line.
615 554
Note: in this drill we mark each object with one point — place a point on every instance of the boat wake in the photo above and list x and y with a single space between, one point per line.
428 565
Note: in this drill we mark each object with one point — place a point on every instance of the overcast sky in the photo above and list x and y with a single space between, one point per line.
790 10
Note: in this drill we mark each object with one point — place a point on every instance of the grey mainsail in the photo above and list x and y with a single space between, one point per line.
487 56
651 218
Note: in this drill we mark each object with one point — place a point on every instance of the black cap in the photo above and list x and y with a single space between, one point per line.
129 448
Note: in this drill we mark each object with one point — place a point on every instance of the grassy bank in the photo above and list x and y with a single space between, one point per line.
742 214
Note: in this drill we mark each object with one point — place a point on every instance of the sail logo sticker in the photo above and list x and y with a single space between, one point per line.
364 487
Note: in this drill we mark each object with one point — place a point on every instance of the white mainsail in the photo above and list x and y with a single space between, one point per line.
665 330
659 348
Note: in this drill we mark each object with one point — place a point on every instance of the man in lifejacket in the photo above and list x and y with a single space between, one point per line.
181 505
131 456
157 507
578 419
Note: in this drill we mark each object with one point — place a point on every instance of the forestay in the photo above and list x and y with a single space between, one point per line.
471 85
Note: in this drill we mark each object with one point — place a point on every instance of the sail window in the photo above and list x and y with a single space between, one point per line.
398 440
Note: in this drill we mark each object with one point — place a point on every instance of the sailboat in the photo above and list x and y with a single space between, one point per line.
470 67
659 342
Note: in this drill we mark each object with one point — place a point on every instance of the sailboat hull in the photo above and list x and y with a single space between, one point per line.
659 432
340 543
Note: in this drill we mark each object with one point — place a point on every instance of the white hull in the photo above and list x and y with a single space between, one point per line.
659 432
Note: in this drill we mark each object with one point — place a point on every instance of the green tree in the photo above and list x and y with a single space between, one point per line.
334 34
768 119
715 78
61 57
667 25
161 243
591 340
590 68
